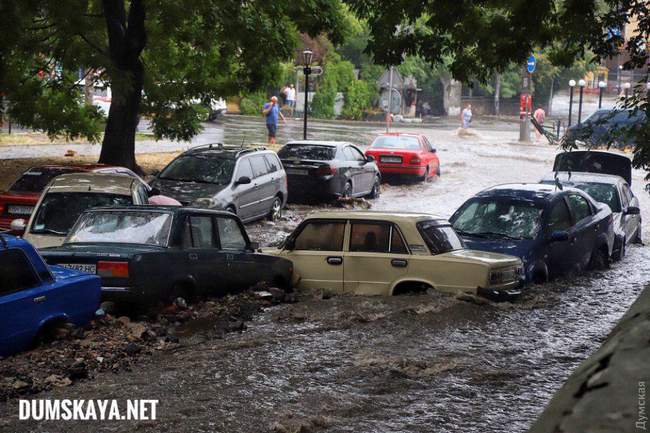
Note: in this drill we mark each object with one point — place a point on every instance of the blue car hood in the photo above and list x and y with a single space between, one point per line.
519 248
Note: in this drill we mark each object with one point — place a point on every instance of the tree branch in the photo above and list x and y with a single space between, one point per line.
92 45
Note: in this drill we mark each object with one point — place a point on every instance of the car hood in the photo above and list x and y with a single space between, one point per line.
187 192
493 259
594 162
518 248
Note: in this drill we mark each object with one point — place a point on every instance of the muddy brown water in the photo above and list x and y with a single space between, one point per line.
371 364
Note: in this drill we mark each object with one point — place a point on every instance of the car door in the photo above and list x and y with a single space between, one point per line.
23 302
244 193
368 170
631 222
206 263
276 177
241 268
264 189
561 254
356 170
429 155
585 229
375 258
316 250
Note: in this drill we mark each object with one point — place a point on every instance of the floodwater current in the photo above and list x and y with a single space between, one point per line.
426 363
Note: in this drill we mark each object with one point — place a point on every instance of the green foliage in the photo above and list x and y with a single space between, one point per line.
358 98
337 76
252 104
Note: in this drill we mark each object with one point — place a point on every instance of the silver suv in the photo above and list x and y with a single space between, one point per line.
249 182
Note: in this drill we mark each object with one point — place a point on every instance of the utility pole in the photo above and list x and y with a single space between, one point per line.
524 125
389 113
497 93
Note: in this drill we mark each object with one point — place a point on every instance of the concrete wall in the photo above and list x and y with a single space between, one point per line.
609 392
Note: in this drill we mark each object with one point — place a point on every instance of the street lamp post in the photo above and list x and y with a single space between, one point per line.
581 83
627 86
601 89
307 56
572 84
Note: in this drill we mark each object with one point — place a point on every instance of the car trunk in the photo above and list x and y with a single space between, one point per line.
307 167
594 162
17 205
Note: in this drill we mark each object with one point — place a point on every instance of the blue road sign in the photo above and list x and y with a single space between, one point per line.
530 64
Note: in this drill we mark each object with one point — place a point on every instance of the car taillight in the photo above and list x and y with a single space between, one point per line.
325 170
415 160
2 208
113 269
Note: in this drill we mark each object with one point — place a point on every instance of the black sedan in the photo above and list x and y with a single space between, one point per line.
150 253
328 169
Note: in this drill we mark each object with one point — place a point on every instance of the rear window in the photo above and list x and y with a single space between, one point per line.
59 210
396 142
439 238
602 192
307 151
35 180
137 227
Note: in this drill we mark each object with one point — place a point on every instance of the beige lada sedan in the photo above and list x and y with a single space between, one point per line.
376 253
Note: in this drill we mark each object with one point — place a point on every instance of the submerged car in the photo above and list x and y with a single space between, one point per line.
329 169
35 297
378 253
607 185
249 182
145 254
21 198
67 196
607 126
553 231
405 154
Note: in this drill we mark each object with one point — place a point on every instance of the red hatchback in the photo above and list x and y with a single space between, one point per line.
398 153
23 195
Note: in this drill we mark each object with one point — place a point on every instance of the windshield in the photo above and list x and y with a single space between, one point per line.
132 227
36 179
200 168
602 192
498 218
439 238
59 211
307 151
396 142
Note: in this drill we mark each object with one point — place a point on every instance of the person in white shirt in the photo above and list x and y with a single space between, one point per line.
290 93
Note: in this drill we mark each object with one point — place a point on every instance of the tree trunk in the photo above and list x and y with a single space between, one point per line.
126 40
497 93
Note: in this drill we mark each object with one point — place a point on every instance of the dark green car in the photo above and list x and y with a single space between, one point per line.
149 253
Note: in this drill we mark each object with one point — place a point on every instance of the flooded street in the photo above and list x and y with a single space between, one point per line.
370 364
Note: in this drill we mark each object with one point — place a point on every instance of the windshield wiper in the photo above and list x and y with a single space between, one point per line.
495 234
50 231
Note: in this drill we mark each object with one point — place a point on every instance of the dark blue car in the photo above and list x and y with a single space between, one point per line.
553 231
34 296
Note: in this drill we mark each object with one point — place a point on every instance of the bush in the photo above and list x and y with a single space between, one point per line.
358 98
252 104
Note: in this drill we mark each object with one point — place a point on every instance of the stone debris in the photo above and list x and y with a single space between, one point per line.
115 344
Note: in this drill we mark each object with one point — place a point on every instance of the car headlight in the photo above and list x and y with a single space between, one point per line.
505 276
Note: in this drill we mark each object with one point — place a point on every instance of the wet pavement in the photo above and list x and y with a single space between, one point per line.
371 364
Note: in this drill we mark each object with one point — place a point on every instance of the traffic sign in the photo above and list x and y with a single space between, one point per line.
530 64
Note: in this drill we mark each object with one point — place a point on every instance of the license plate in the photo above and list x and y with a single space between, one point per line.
297 171
82 267
391 159
20 210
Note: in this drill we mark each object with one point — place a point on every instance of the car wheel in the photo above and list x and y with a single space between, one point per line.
599 259
347 190
276 209
620 251
376 188
231 209
426 175
438 171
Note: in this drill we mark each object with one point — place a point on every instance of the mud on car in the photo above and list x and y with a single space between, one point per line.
147 254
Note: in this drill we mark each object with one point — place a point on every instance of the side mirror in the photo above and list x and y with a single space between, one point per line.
153 191
632 210
559 236
370 158
433 150
18 226
647 187
244 180
155 173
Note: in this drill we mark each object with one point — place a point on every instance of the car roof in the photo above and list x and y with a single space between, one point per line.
70 167
397 134
524 191
10 241
161 208
95 182
378 215
572 176
222 150
321 143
